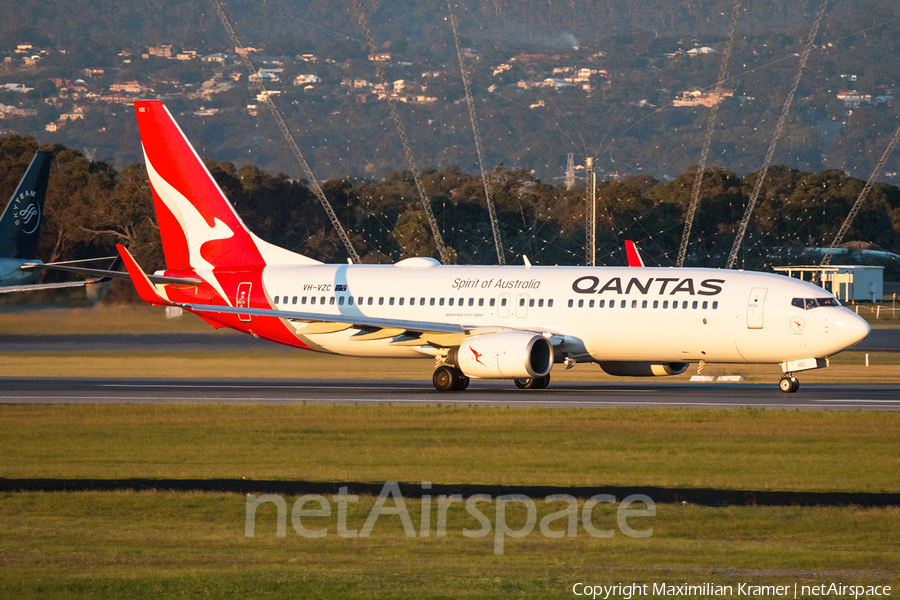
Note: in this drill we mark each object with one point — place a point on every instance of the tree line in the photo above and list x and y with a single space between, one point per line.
91 206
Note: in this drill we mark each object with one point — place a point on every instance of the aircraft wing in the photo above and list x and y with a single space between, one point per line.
634 257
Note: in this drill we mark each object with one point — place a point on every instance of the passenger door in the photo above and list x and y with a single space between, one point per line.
755 308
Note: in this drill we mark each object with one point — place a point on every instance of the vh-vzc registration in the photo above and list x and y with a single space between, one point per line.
475 322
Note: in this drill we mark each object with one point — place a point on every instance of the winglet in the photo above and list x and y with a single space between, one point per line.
146 290
634 257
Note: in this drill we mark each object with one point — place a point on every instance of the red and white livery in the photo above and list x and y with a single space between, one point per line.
485 322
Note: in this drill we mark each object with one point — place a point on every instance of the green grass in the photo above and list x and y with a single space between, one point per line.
736 449
103 319
279 362
190 545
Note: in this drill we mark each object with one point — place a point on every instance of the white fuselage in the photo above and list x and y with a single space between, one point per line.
600 314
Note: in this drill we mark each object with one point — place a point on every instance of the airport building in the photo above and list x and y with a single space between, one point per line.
849 283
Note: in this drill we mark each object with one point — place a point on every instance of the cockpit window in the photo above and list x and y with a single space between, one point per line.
810 303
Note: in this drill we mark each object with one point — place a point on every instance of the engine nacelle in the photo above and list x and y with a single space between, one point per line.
505 355
643 369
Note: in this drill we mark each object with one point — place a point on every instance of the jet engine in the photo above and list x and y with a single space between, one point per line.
643 369
505 355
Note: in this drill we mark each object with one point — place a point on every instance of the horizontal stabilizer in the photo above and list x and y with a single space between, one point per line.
45 286
111 273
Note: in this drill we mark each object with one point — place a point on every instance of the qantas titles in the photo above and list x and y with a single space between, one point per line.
590 284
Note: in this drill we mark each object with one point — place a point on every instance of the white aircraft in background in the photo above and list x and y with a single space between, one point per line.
484 322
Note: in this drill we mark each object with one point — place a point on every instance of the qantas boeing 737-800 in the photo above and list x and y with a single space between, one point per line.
484 322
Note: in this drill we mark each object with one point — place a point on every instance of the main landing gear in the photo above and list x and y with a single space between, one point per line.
788 384
449 379
536 383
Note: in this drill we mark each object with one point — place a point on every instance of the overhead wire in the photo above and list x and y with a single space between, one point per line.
707 140
779 127
446 257
470 102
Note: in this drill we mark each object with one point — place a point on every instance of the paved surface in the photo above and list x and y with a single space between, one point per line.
879 340
880 397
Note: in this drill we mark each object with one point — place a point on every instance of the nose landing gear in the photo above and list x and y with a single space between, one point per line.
789 384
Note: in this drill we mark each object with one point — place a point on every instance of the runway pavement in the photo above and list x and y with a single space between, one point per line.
880 397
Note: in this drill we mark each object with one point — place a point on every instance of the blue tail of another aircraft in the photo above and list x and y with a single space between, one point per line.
21 220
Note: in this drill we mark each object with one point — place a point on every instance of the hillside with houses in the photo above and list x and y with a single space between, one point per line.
634 96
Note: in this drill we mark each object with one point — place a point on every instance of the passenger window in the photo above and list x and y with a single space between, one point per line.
694 305
656 304
602 303
341 301
370 300
622 304
541 303
421 301
550 303
322 300
665 304
412 301
294 300
312 299
432 302
531 303
391 301
450 302
634 304
401 301
349 300
471 301
493 301
331 300
571 302
705 304
481 302
580 303
381 301
441 301
503 302
644 304
462 301
521 301
675 304
715 305
276 299
591 304
361 301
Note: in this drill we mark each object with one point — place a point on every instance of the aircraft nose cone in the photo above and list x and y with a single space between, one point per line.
852 329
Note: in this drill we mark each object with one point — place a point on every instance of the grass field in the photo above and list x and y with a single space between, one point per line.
161 544
192 545
736 449
164 544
